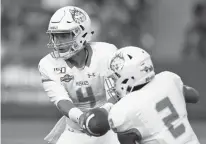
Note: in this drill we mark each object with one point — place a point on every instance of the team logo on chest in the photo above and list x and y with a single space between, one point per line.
66 78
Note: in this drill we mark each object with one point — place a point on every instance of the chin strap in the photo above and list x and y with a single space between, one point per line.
137 87
86 58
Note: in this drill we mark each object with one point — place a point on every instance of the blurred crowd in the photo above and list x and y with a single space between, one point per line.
195 35
121 22
24 24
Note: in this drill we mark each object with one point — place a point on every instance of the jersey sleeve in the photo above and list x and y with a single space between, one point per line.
120 116
117 119
177 80
125 116
55 91
108 82
110 89
111 50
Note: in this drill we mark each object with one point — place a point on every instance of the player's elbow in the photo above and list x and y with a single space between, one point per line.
191 94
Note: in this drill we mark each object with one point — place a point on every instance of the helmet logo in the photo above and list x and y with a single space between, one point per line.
117 62
146 68
77 15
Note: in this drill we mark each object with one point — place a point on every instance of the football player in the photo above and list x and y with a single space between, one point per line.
73 75
152 108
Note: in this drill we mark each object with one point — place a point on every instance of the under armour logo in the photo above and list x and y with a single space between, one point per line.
91 75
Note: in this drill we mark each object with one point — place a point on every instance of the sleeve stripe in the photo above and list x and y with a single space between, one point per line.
45 80
111 92
109 84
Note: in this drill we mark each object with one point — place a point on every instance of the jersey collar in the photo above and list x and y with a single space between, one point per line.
90 53
69 64
89 57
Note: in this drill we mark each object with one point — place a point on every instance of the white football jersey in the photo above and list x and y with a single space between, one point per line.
157 111
84 87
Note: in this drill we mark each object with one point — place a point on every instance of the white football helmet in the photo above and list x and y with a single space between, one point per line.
69 20
129 67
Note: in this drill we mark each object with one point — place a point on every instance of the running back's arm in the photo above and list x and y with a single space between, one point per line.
191 94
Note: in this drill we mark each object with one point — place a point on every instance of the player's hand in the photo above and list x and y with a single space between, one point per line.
82 122
94 122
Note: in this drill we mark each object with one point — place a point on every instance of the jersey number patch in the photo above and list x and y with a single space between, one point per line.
168 120
90 96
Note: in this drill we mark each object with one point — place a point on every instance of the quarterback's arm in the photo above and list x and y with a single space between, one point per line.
191 94
59 96
67 108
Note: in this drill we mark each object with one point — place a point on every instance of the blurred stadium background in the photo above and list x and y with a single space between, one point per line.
173 31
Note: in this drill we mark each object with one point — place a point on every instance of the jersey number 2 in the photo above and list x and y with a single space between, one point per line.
168 120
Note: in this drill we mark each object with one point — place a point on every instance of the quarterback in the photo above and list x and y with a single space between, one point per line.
73 76
152 108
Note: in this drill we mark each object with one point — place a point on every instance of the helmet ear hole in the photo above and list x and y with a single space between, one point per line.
129 56
84 35
81 27
129 88
125 81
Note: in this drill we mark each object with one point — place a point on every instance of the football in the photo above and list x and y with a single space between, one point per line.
97 122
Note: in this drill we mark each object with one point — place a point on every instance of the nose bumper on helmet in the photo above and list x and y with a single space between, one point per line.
64 50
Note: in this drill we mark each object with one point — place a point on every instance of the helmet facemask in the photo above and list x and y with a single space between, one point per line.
64 45
122 85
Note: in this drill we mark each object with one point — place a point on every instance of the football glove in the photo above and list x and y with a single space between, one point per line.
94 122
